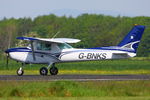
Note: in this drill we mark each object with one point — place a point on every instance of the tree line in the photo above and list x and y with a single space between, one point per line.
93 30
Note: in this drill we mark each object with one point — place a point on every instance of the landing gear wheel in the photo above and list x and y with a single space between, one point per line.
54 70
20 72
43 71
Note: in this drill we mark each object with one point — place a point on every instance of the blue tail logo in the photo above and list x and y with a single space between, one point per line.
132 39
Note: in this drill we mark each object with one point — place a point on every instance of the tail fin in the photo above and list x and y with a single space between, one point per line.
132 39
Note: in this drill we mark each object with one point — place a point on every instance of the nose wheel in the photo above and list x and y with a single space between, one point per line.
20 71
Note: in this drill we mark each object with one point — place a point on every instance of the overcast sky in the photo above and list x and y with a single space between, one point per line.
33 8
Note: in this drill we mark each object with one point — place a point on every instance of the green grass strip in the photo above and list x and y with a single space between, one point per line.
75 89
92 72
77 98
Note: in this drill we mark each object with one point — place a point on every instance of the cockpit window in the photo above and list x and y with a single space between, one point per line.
43 46
64 46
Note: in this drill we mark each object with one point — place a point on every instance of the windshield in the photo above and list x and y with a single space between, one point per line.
64 46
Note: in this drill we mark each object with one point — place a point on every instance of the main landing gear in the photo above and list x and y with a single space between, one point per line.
53 70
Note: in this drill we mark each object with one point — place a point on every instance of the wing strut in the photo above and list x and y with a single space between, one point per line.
33 54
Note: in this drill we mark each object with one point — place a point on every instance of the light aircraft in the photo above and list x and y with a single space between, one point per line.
57 50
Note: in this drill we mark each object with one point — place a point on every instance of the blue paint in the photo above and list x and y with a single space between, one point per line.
23 49
134 35
26 38
114 48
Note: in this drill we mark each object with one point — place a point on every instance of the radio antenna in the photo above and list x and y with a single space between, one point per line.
56 34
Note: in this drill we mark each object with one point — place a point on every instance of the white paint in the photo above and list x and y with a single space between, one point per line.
132 37
71 55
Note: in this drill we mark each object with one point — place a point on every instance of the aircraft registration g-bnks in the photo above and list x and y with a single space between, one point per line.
57 50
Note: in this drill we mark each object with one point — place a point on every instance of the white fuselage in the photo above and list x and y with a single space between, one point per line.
91 54
70 55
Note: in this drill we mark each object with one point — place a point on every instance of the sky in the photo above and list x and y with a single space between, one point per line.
34 8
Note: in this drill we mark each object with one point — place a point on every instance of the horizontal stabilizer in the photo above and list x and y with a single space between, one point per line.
119 55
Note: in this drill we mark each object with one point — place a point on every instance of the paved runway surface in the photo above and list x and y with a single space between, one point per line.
73 77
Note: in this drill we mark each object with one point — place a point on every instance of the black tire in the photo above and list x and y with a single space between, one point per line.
54 70
20 72
43 71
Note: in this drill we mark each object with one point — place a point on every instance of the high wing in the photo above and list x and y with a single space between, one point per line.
54 40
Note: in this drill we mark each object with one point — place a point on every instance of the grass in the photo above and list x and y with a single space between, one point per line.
137 65
78 98
75 89
70 90
92 72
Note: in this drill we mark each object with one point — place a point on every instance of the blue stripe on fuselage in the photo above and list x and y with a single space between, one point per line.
23 49
114 48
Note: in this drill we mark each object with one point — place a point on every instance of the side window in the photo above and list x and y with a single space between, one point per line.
47 47
43 46
39 46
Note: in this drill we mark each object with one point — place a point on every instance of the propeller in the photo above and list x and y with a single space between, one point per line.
7 59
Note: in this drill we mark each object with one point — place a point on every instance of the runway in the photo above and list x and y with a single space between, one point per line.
74 77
